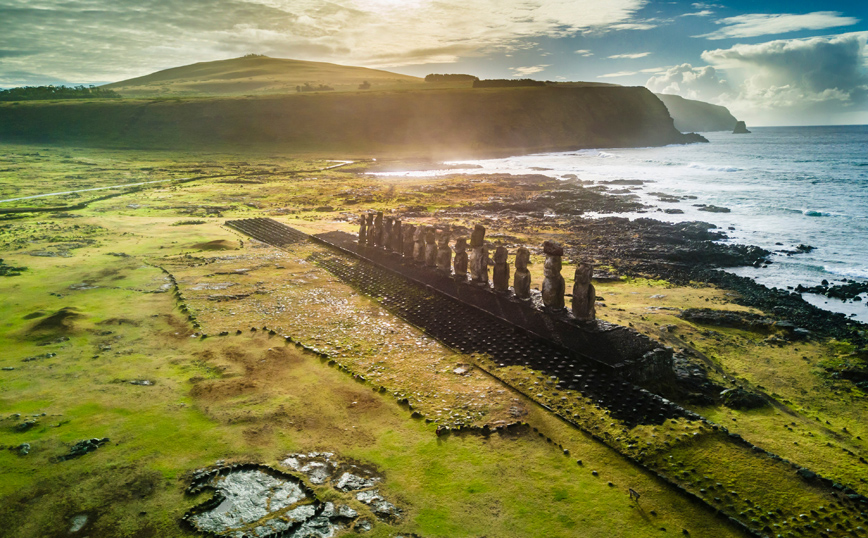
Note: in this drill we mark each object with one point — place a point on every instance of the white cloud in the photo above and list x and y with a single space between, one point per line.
655 70
789 81
618 74
114 39
703 13
584 52
691 82
526 71
757 24
631 56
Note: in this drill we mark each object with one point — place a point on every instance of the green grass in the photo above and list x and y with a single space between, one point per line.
253 397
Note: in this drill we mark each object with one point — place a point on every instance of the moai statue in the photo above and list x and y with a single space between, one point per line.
369 237
478 256
584 294
397 237
419 245
501 270
553 284
387 233
444 253
430 247
460 263
363 227
378 229
409 244
521 284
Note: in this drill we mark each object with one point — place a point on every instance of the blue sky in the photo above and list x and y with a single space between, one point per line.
771 62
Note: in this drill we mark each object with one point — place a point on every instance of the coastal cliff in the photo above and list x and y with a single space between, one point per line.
453 122
697 116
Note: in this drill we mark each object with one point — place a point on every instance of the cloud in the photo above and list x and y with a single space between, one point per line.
809 80
783 73
758 24
115 39
584 52
691 82
631 56
526 71
618 74
703 13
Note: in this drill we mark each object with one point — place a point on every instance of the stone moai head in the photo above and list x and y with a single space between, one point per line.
461 245
430 237
370 219
378 220
443 239
477 238
500 255
552 248
584 272
363 219
387 222
419 234
552 266
522 257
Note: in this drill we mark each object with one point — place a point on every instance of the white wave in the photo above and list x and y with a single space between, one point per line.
849 272
713 168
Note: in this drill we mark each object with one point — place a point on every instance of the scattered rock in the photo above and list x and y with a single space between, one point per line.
463 369
382 508
28 424
83 447
38 357
143 382
712 208
77 523
742 399
22 450
351 482
318 466
807 474
726 318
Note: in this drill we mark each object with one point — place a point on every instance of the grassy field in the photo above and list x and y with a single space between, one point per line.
96 308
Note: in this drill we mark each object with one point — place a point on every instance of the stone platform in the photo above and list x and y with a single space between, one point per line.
473 320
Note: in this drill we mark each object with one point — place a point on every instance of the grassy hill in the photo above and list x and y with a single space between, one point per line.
431 123
256 75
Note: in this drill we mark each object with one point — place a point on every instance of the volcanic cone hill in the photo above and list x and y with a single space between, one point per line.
256 74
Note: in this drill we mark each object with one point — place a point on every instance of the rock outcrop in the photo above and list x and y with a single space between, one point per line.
740 128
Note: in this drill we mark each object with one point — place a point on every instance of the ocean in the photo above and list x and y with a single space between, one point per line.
784 187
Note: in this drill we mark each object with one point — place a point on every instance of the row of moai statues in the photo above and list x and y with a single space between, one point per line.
429 246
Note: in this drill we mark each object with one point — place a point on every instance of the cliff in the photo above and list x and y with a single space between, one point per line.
697 116
440 123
